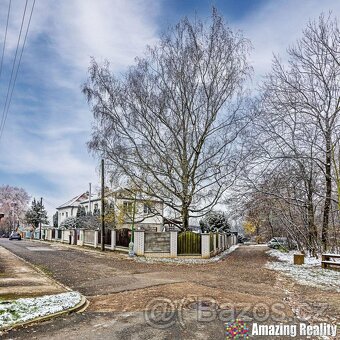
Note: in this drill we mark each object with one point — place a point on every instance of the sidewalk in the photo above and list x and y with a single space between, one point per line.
19 279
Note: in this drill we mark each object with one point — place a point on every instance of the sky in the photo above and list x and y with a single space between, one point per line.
43 145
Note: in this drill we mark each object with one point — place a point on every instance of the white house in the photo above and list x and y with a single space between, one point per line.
145 210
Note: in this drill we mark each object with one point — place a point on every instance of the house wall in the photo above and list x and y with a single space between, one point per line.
66 212
147 221
94 202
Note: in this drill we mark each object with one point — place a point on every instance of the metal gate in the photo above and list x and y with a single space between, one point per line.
107 239
123 237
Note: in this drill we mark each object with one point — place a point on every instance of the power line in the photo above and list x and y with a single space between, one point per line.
5 113
3 48
12 72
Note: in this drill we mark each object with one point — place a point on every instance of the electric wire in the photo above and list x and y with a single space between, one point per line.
8 102
5 38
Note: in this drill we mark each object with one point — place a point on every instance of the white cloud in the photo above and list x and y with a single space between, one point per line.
49 121
117 30
277 25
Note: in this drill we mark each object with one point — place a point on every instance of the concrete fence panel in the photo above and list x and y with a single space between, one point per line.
89 237
157 242
66 236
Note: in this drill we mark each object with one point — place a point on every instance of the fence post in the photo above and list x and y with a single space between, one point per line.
138 244
173 243
215 245
80 242
62 236
113 239
95 241
205 246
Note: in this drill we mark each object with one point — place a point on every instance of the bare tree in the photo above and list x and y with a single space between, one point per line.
13 204
171 123
303 100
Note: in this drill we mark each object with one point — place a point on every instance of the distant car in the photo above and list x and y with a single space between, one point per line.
277 242
15 236
242 239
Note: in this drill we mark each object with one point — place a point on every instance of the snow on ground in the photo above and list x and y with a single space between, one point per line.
310 273
179 260
22 310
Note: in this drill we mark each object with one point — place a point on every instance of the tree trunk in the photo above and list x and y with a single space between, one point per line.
327 205
312 231
185 217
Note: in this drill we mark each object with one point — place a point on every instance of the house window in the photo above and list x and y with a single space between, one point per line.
128 208
148 208
66 214
96 206
62 214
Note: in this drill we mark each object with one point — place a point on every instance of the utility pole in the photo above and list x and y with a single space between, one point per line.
40 214
102 245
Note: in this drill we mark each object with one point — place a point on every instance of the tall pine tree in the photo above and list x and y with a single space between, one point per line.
36 214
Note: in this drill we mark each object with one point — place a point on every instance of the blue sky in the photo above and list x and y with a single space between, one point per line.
43 148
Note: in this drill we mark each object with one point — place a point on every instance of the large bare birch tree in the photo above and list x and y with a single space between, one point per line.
299 123
170 124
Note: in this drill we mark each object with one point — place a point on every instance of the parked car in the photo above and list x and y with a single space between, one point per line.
15 236
242 239
277 242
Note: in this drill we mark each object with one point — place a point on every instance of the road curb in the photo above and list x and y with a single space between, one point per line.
80 307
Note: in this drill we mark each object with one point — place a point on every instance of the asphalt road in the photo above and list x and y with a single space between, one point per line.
124 294
93 274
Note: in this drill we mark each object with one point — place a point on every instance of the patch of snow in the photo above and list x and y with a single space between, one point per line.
289 257
309 274
179 260
22 310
